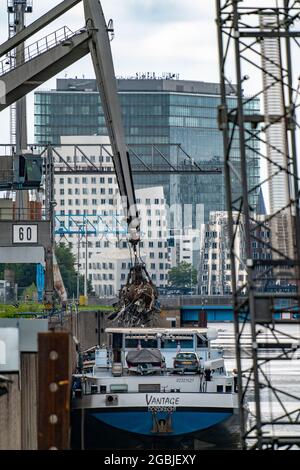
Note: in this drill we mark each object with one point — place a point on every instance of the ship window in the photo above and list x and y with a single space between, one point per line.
94 388
117 340
119 388
149 388
173 343
219 388
144 343
228 388
201 342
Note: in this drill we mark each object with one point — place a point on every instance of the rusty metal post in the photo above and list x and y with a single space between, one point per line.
54 391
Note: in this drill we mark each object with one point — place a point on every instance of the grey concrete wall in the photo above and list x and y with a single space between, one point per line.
10 416
29 383
88 329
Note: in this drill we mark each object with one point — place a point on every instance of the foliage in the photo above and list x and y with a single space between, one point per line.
95 308
30 293
12 311
25 274
66 262
183 275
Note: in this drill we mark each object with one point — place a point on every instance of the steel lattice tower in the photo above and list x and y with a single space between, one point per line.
257 44
16 10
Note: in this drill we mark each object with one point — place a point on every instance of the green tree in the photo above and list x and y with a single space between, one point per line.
25 274
183 275
30 293
66 262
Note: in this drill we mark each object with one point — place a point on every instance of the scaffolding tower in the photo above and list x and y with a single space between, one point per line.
16 10
256 48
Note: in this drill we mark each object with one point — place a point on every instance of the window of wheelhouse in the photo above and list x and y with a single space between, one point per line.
117 341
133 343
201 341
174 343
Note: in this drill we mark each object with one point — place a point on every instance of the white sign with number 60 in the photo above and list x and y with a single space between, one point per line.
25 234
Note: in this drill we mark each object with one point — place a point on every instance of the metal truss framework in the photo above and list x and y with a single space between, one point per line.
244 32
144 158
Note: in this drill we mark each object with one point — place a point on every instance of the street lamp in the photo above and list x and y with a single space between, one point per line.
86 260
99 253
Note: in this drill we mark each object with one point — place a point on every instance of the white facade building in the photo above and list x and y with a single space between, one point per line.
186 246
279 182
90 200
214 275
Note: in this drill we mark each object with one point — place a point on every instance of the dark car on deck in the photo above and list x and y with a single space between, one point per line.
186 362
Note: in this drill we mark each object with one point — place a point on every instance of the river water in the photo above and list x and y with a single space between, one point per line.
283 374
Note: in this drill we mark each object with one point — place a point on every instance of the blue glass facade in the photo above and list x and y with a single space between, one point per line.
160 112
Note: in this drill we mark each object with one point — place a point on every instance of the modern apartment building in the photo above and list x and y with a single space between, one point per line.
214 274
88 208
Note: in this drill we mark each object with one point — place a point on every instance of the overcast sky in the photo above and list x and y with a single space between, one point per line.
177 36
150 36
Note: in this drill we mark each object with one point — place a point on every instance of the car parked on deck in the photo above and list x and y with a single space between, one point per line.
186 362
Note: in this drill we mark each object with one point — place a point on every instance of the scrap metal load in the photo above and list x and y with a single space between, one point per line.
138 300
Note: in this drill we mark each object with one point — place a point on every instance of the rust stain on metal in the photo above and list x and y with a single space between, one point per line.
54 405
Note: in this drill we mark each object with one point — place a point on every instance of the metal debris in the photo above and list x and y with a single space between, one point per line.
138 300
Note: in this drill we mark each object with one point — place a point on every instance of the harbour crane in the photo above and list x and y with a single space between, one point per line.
138 298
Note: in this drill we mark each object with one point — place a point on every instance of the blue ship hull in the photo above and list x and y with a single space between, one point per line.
133 429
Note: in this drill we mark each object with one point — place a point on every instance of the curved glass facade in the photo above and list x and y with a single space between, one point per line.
161 114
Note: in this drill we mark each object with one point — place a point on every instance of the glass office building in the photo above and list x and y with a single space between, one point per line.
160 112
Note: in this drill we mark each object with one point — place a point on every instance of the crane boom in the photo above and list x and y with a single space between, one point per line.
100 49
138 298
